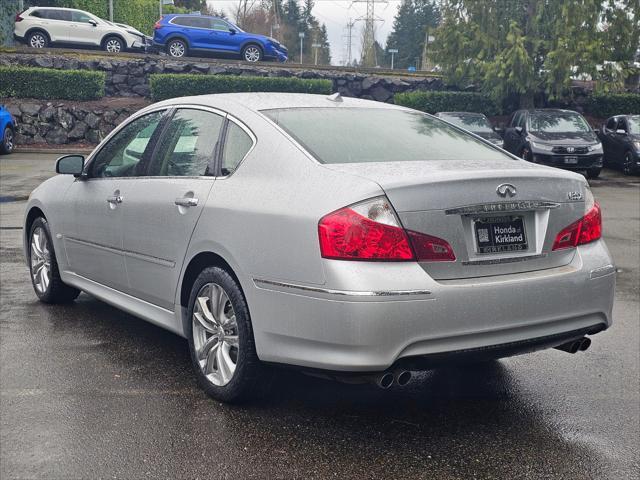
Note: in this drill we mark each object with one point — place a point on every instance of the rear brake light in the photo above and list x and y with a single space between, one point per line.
431 249
365 231
585 230
157 25
19 16
371 231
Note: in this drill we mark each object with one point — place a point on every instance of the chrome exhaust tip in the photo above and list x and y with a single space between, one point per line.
384 380
402 377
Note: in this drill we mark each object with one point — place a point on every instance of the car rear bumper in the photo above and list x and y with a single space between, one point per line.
383 314
583 161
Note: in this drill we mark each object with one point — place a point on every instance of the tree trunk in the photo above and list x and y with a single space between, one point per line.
526 100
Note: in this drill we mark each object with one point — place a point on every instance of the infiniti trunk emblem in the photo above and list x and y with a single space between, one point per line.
506 190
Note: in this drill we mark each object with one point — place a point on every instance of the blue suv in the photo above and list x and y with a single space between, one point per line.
7 130
180 34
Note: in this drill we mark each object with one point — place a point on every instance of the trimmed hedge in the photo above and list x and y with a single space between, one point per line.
170 85
47 83
432 102
608 105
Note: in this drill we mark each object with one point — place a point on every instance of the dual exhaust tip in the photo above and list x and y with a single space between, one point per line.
398 377
575 346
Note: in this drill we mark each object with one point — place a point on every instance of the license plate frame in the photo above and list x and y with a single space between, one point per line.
570 160
492 234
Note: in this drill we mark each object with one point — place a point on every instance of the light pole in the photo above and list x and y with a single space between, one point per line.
301 35
316 46
392 51
111 10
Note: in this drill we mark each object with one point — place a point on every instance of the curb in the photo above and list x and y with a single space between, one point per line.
13 198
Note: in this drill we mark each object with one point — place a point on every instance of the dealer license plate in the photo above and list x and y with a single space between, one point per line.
500 234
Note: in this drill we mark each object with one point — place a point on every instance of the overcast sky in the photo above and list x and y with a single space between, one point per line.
335 14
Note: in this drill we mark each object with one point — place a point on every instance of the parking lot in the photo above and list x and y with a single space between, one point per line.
88 391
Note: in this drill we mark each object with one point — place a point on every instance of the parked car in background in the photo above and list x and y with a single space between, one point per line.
7 130
39 27
353 238
475 123
558 138
180 35
620 137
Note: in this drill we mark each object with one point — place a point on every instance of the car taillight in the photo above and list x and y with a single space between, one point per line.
585 230
371 231
157 25
19 16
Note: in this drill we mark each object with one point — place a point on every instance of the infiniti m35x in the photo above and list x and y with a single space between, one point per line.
345 237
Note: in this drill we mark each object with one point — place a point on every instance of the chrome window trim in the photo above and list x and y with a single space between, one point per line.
498 261
246 130
500 207
265 284
187 26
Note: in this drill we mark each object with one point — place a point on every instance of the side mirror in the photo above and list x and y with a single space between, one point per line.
621 131
518 130
232 31
70 165
93 22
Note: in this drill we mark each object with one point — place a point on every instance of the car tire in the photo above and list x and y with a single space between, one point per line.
8 141
38 39
252 53
222 345
113 45
627 164
593 172
43 266
177 48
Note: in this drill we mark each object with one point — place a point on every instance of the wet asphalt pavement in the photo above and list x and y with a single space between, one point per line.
87 391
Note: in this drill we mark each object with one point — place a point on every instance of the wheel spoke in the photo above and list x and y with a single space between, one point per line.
222 303
206 348
232 340
226 367
210 367
203 305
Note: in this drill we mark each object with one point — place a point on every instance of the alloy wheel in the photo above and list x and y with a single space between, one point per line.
215 334
8 140
40 260
37 40
626 168
113 46
176 49
252 54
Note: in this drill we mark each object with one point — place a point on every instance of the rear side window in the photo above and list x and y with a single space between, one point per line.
36 13
198 22
360 135
188 145
237 145
54 14
611 123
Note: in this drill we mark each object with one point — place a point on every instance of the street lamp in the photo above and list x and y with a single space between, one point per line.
301 35
316 46
392 51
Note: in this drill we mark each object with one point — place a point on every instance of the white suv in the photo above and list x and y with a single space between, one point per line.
39 26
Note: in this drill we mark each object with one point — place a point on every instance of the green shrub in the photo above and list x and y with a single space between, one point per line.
432 102
47 83
165 86
608 105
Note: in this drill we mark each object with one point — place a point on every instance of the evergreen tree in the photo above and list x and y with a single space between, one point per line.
414 20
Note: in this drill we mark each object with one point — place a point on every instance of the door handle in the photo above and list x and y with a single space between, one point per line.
186 202
114 199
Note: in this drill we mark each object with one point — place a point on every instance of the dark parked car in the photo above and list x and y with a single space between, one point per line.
620 137
473 122
558 138
180 35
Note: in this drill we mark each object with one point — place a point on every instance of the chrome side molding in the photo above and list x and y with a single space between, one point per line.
269 284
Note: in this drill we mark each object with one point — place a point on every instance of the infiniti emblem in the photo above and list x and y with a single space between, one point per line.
506 190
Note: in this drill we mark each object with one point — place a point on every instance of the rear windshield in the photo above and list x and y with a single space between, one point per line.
358 135
558 123
473 123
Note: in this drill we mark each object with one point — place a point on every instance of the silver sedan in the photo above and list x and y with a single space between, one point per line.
352 239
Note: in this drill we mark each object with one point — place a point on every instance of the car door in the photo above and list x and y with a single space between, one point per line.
196 30
94 242
511 137
222 37
620 140
57 24
84 29
162 212
607 131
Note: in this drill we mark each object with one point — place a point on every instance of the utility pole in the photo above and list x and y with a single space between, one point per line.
392 51
301 35
369 57
111 10
316 46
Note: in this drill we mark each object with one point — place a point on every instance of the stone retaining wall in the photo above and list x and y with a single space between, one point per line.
129 77
59 122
